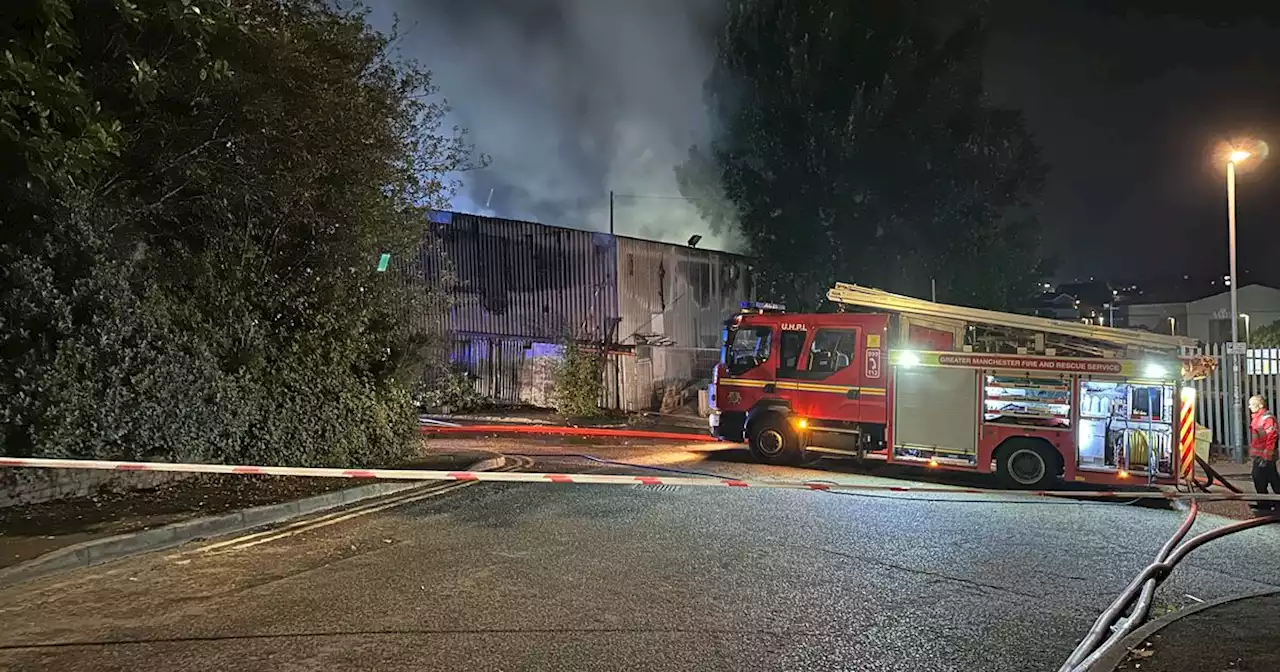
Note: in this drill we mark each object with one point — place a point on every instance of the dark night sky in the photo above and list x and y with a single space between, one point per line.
1127 107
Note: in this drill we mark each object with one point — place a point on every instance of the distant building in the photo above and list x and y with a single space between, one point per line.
1092 302
1059 306
1209 318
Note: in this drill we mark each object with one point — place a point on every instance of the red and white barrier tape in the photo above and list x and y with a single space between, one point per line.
596 479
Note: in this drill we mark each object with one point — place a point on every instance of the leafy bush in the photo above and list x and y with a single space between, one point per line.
577 382
1266 336
449 389
193 198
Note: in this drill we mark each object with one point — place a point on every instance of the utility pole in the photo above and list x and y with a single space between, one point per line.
611 212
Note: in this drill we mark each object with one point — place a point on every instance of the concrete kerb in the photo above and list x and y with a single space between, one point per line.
1117 657
519 420
97 551
511 419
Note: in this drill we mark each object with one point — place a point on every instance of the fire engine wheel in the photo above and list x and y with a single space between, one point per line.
772 440
1026 464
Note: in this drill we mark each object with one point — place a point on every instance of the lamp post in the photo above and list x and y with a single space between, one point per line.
1237 404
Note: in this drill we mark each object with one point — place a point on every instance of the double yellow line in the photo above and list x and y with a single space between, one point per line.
247 541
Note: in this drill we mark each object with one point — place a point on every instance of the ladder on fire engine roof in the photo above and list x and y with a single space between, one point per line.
867 297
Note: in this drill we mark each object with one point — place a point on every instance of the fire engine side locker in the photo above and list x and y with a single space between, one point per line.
934 415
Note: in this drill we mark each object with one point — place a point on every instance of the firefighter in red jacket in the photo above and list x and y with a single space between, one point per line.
1262 448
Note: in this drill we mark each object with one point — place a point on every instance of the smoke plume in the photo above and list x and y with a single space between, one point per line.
572 99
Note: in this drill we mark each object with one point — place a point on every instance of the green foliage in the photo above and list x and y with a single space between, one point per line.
857 145
577 381
1266 337
448 389
196 196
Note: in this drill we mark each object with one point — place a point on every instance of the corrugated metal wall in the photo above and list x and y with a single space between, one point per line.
529 280
680 294
677 299
420 270
520 287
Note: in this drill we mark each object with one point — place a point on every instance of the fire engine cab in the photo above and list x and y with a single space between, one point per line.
904 380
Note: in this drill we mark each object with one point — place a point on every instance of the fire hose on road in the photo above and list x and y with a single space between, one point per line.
1137 596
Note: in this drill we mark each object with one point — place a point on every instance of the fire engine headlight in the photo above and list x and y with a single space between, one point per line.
801 423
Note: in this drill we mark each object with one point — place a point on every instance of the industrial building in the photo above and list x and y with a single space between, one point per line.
522 288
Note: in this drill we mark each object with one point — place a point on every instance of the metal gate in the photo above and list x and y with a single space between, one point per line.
1260 374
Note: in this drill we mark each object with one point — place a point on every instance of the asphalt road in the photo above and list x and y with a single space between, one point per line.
562 577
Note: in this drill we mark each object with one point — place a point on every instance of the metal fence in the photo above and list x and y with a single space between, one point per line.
1260 374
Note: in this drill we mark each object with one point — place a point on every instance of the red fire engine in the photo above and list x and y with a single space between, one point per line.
910 381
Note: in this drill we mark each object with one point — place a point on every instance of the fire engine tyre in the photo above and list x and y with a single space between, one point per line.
772 440
1027 463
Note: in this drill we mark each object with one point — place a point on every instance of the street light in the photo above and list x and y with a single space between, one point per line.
1234 155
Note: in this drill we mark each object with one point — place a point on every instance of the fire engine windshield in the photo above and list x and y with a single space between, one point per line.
747 348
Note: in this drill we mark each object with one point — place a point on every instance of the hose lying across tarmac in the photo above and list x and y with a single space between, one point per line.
1213 475
1137 596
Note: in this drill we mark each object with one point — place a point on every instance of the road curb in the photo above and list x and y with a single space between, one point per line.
515 419
569 430
1110 662
97 551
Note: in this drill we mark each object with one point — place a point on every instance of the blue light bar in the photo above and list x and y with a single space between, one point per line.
762 305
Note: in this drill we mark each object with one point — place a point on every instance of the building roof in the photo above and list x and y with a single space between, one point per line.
1169 298
445 217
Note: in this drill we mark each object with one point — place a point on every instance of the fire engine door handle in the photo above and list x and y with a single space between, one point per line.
853 394
770 388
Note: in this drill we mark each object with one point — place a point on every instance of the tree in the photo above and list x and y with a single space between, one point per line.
1267 336
576 380
198 194
858 145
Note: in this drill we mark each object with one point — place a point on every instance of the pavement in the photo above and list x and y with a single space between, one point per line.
550 576
1240 475
37 539
1239 635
